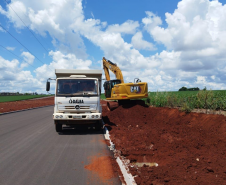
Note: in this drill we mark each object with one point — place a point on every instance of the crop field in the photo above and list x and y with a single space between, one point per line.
19 97
188 100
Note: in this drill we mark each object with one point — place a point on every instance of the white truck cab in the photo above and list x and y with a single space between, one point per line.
77 98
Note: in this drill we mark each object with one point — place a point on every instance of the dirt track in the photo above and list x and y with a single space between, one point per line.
188 148
25 104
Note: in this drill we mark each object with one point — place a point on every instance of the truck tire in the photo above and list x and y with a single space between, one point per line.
99 125
58 127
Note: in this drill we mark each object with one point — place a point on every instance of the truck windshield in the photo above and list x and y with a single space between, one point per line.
77 87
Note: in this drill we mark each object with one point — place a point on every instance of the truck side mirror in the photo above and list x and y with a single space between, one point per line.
47 86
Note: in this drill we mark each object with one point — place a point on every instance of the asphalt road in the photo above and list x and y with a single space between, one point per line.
32 153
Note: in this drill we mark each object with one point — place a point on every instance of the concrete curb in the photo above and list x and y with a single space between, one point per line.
129 179
23 110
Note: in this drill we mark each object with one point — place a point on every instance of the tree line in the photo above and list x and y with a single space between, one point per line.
189 89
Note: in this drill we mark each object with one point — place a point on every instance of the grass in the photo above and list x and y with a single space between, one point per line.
20 97
102 97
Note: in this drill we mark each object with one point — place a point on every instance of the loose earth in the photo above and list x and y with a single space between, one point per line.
188 148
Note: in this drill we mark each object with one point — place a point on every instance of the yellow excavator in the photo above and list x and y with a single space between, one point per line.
120 91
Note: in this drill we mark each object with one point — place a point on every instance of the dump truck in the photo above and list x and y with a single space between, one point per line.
77 98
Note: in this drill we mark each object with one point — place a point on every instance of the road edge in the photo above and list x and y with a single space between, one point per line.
129 179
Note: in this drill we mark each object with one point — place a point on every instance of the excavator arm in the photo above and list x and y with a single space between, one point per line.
107 64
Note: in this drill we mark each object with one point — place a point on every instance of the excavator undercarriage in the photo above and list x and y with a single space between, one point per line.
111 105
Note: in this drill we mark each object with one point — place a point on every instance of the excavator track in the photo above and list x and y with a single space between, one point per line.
112 105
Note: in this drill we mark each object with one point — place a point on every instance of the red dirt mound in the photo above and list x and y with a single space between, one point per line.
188 148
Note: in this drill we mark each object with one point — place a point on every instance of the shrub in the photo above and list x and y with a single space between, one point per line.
186 108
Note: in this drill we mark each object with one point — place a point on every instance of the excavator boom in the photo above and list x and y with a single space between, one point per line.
107 64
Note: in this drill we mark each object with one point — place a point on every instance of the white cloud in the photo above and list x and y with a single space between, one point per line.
7 67
128 27
13 79
195 41
140 44
201 80
213 77
113 45
60 61
10 48
151 20
194 25
66 28
16 11
69 61
49 16
169 60
28 59
2 11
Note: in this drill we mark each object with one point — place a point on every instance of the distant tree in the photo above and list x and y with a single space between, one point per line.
193 89
204 88
189 89
183 89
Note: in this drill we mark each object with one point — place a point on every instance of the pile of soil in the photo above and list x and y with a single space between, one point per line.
25 104
188 148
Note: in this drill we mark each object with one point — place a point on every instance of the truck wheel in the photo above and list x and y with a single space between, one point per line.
99 125
58 127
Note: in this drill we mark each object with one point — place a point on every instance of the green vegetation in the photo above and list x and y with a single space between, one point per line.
20 97
102 97
189 89
189 100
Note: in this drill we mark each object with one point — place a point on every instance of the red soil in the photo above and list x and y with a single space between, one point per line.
104 167
25 104
189 148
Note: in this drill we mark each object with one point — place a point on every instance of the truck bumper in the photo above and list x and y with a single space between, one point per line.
77 117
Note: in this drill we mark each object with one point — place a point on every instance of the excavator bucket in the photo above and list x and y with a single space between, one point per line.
111 105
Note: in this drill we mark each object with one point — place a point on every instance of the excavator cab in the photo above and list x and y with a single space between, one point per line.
108 85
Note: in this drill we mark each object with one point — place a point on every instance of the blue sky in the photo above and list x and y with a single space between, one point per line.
168 44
